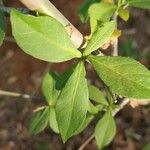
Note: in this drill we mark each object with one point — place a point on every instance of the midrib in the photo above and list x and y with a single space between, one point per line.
48 39
74 93
121 74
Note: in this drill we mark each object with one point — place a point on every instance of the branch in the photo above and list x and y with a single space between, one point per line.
125 101
86 142
122 105
8 9
20 95
115 41
46 7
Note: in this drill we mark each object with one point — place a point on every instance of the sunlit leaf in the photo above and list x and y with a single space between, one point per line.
123 75
139 3
72 105
100 37
42 37
100 13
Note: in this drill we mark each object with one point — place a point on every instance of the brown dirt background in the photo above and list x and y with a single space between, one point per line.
22 73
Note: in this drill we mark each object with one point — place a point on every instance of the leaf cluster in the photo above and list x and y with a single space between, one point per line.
72 103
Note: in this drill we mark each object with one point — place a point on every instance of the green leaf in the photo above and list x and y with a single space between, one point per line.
42 37
105 130
100 37
52 120
2 26
96 95
63 78
72 105
39 121
83 9
123 75
49 87
85 123
100 12
92 109
139 3
124 14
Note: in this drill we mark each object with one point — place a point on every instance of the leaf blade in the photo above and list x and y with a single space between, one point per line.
96 95
83 9
39 121
52 120
100 12
49 88
139 3
72 104
105 130
42 37
123 75
100 37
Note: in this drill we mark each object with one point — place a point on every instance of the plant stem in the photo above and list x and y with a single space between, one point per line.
8 9
86 142
125 101
46 7
115 41
20 95
122 105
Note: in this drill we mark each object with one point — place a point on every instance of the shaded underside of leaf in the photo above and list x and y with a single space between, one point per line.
2 26
63 78
39 121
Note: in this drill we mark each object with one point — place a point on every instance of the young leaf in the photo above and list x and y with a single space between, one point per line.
96 95
123 75
100 37
52 120
100 12
72 104
116 34
124 14
39 121
105 130
2 26
139 3
83 9
42 37
49 87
